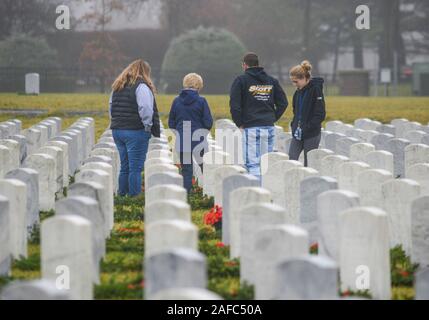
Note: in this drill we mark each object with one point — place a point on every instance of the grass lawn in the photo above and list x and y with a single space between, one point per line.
121 271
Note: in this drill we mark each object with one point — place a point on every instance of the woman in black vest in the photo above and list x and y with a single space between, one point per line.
134 118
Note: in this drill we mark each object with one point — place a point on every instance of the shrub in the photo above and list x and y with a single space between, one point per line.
214 53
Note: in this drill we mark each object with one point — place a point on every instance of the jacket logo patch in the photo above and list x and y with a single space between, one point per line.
261 92
319 98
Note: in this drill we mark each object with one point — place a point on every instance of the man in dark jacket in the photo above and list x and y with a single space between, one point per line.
257 102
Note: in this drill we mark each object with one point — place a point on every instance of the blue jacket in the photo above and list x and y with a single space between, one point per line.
189 112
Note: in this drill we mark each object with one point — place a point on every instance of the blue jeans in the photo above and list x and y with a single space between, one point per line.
187 164
132 146
257 141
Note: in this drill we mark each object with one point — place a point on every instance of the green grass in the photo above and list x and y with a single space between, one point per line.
346 109
122 276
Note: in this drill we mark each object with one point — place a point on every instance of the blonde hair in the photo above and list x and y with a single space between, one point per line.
137 70
301 71
193 81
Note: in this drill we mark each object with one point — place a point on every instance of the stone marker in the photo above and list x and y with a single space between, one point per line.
349 174
66 248
380 141
415 154
58 155
46 167
103 178
364 251
5 160
272 245
329 206
169 234
344 145
310 189
32 83
252 219
398 195
22 140
167 210
269 159
420 231
164 178
239 199
13 147
422 284
292 202
177 268
31 178
16 192
72 150
212 161
220 174
5 256
359 151
380 160
330 165
230 184
34 290
397 148
273 181
306 278
87 208
420 173
65 161
370 186
97 192
165 192
186 294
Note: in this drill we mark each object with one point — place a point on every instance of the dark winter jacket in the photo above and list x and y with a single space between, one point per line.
256 99
313 111
190 112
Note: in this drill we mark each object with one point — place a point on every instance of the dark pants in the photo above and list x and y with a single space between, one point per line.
132 146
187 164
296 147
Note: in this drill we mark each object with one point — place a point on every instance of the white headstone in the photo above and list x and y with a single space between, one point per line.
167 210
16 192
5 256
252 219
370 186
66 248
364 251
272 245
32 83
307 278
176 268
169 234
420 231
329 206
398 195
239 199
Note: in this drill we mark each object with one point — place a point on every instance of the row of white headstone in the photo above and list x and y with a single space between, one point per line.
73 241
173 267
349 203
271 228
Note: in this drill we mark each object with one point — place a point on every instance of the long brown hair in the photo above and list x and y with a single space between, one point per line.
137 70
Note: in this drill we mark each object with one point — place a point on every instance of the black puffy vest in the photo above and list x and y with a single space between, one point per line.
125 111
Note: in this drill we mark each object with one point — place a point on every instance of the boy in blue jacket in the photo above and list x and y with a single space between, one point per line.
190 116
